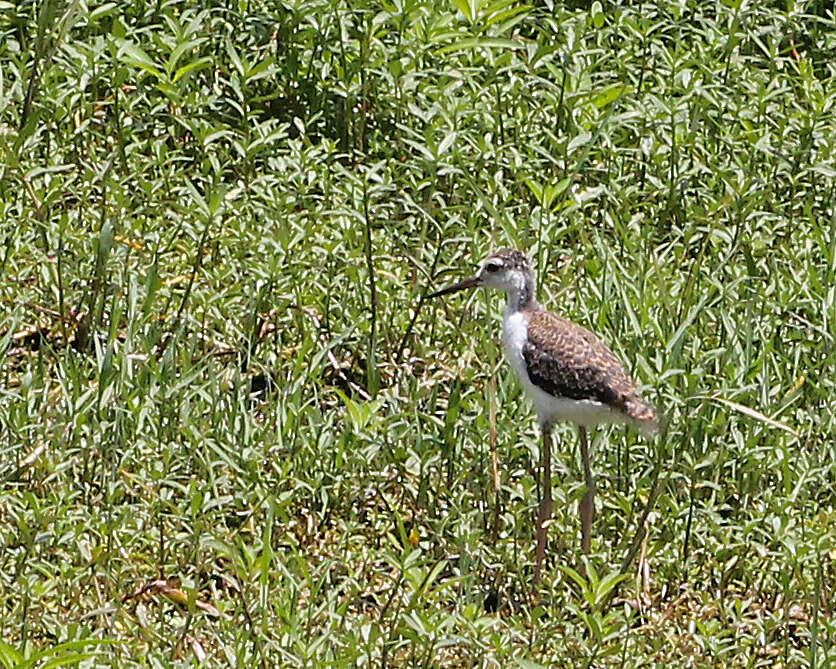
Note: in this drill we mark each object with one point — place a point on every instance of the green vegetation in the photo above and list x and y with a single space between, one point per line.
230 427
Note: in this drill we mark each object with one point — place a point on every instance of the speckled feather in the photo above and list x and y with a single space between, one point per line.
567 360
513 259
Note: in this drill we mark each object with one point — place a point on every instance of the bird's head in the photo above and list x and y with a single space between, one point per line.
507 270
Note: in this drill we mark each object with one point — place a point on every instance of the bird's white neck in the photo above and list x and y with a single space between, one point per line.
521 293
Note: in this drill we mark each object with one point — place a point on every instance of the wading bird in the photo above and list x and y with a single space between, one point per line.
569 374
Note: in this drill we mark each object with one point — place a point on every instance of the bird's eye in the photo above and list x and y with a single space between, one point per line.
492 267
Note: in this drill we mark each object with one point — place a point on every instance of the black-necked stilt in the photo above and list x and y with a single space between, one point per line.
567 371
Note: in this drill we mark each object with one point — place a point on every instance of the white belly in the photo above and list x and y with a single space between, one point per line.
548 407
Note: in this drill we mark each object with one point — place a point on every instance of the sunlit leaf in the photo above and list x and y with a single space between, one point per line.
133 55
480 43
747 411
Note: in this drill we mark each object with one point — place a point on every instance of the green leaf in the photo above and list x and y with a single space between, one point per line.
508 18
152 285
597 12
535 188
134 56
101 11
194 66
430 578
9 657
178 52
480 43
105 245
575 576
747 411
198 199
264 68
605 586
446 143
63 654
528 664
467 8
609 95
236 59
50 169
580 140
68 660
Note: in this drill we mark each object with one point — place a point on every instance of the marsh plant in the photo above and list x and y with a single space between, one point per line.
234 432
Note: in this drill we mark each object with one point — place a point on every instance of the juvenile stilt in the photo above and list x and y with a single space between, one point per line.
567 372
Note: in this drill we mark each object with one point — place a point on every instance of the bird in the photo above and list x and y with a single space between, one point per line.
569 374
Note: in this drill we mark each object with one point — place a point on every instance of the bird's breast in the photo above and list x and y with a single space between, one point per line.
514 336
547 406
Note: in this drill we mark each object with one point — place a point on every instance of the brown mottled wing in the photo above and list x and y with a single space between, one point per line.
567 360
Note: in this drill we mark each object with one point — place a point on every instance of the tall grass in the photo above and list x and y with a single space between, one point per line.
235 431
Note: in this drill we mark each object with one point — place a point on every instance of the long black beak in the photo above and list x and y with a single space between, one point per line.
456 287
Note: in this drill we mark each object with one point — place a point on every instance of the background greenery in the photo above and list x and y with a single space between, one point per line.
232 430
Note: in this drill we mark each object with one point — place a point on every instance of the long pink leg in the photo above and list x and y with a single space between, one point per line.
544 512
588 500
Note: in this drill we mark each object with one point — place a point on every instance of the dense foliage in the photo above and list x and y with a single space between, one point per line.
232 428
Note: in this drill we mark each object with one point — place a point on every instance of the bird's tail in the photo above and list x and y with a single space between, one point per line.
644 415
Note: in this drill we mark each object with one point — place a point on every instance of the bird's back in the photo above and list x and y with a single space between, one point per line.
571 372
